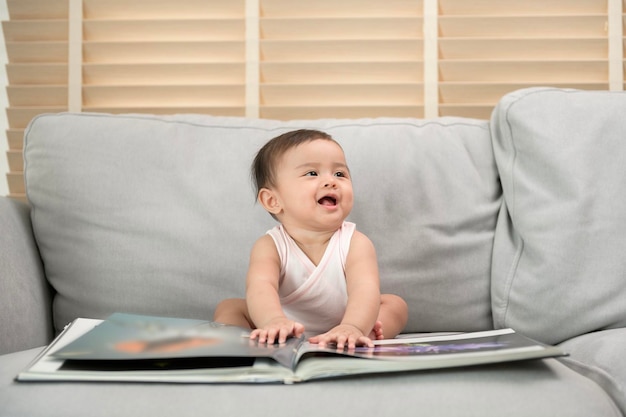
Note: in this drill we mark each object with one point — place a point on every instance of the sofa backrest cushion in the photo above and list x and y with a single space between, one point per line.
156 214
560 249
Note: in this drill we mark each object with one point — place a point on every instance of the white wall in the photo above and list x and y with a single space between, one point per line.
4 145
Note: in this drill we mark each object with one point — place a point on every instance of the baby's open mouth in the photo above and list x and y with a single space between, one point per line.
327 201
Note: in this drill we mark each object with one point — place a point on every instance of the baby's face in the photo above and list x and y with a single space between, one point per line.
313 186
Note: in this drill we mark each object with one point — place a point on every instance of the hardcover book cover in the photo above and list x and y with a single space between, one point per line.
127 347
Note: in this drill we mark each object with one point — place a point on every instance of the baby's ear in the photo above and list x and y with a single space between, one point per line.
269 200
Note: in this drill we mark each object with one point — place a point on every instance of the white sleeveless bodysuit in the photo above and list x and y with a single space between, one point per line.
315 296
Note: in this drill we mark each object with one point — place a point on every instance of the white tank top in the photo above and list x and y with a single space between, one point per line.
315 296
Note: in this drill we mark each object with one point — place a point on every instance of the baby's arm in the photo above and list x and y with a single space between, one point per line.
262 295
363 297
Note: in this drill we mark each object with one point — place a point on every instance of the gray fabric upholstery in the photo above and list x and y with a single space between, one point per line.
600 357
24 293
559 257
537 388
156 215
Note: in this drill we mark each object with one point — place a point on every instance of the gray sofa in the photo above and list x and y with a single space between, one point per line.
517 222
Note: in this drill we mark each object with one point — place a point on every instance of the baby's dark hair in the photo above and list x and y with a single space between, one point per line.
264 164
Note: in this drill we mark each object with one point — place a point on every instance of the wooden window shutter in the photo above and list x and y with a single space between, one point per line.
299 59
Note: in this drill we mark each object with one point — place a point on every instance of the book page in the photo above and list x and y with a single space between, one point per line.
410 354
45 363
136 341
47 366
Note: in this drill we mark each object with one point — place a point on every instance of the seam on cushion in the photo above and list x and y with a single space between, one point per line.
510 277
512 206
601 378
282 125
33 208
503 306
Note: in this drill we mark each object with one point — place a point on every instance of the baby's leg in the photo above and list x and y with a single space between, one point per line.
233 311
392 316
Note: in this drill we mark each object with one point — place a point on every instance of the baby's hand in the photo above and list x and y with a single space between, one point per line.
343 335
277 330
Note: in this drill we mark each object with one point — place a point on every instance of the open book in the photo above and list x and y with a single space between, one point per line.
128 347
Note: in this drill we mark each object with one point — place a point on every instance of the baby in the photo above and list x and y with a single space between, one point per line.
314 271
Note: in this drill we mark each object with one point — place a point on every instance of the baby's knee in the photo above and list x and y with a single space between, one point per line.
394 301
230 305
395 304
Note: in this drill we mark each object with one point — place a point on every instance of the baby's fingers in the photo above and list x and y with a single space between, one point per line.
277 333
298 329
364 341
257 334
263 335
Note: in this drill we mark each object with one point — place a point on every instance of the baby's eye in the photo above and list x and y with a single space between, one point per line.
311 174
340 174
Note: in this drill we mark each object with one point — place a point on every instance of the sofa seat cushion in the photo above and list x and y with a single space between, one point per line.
536 388
559 268
600 357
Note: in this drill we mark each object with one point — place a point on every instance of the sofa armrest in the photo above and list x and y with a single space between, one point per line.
25 295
